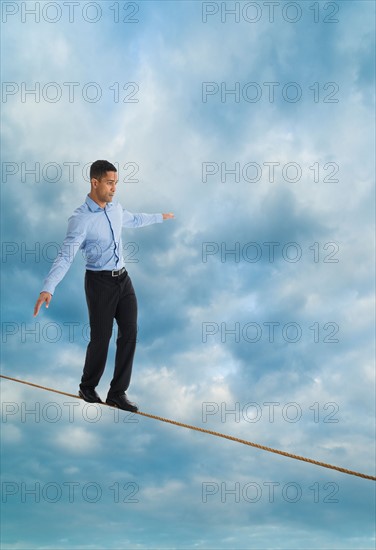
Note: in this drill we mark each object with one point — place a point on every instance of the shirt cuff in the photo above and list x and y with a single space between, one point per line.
50 288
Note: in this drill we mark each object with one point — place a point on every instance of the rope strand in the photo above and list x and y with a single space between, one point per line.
211 432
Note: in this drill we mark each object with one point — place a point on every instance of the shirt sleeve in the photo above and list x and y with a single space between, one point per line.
75 236
140 220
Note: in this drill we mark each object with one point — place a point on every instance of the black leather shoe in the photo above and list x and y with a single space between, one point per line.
121 402
89 395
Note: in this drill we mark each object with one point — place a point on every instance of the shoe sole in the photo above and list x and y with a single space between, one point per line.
112 404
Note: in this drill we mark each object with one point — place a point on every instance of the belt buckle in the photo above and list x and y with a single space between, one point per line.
117 272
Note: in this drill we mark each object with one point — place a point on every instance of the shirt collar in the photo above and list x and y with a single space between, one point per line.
94 207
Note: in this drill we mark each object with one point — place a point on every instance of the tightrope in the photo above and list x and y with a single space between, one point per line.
217 434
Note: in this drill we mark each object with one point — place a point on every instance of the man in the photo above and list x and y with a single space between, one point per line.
96 227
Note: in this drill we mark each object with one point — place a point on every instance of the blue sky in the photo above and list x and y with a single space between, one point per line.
257 298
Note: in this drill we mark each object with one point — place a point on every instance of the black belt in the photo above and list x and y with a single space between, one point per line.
113 273
117 272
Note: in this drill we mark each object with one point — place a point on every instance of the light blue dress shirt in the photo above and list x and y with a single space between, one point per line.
97 231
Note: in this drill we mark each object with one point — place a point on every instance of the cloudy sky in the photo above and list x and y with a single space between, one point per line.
254 124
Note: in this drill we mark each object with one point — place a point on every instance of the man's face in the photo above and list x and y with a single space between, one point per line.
105 187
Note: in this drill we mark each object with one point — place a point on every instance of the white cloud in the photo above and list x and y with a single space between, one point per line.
76 440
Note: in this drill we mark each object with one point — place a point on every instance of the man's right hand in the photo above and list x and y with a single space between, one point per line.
43 297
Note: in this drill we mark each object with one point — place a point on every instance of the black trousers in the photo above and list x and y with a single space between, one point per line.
110 298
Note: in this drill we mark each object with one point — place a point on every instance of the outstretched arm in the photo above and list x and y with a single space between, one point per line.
141 219
72 242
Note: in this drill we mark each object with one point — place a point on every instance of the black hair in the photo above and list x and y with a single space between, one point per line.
99 168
